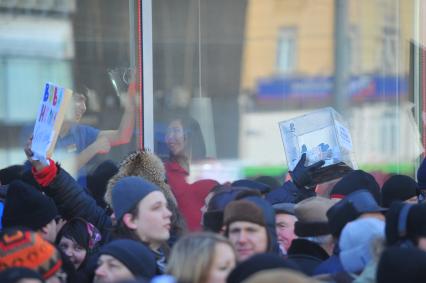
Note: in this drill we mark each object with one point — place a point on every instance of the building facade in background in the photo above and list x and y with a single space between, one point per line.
289 69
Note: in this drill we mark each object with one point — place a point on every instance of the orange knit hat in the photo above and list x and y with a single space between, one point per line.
24 248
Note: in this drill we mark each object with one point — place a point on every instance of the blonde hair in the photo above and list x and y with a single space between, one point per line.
278 276
192 257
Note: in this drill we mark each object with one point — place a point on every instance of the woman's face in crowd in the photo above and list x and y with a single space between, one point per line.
74 251
223 262
175 138
153 220
111 270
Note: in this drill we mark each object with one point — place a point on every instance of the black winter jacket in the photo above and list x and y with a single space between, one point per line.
73 201
308 255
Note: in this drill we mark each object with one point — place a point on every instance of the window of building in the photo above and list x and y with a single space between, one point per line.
286 50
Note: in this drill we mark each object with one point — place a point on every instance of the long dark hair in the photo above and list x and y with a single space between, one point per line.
195 146
75 229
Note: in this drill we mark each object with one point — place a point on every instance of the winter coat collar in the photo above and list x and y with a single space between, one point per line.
305 247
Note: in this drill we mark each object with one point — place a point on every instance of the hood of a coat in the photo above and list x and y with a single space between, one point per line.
269 216
145 164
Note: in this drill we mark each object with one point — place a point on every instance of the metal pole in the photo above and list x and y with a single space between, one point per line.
341 70
148 79
132 33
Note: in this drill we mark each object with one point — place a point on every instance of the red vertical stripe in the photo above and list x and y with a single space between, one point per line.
140 70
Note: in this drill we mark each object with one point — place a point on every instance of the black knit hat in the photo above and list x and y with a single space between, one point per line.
421 175
353 181
398 265
25 206
139 259
257 263
13 275
11 173
398 187
405 222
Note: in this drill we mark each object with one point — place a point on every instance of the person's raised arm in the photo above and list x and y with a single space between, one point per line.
297 189
70 198
124 132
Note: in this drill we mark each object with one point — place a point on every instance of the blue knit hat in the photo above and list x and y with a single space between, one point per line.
261 187
137 257
127 193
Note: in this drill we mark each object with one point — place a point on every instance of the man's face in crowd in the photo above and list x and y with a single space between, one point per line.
49 231
285 230
79 106
111 270
153 221
248 239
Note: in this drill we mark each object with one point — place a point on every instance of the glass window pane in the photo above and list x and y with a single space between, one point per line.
88 47
237 68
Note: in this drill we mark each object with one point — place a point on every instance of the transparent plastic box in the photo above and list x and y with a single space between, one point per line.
322 135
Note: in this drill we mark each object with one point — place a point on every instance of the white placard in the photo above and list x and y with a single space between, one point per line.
49 120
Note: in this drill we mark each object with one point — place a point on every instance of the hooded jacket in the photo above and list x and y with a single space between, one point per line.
269 216
149 166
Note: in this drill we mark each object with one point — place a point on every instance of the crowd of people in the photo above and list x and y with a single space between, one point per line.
141 221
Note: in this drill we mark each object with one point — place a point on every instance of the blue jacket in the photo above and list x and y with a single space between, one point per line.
288 192
331 265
